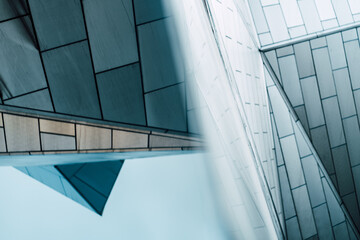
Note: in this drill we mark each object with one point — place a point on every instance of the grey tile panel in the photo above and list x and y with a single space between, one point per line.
57 142
333 121
22 133
336 51
290 79
352 51
312 101
344 92
304 59
304 212
324 73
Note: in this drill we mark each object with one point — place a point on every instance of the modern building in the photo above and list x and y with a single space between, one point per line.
267 89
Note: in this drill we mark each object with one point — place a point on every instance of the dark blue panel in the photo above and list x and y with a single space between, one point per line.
111 32
71 80
95 199
148 10
57 22
93 181
20 66
165 108
98 177
38 100
12 8
157 58
121 95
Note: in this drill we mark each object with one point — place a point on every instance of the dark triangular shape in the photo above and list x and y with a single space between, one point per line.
93 181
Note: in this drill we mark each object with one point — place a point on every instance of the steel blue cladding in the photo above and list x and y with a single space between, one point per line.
112 36
10 9
57 22
20 66
121 95
36 100
71 80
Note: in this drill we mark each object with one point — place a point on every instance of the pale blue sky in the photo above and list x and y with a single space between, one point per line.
166 198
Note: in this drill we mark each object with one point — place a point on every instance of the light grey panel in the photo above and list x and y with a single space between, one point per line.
265 39
57 22
324 73
259 17
121 95
304 59
148 10
292 161
320 141
57 142
336 213
343 170
342 11
292 229
336 51
71 80
310 16
297 31
20 64
318 42
111 31
341 232
281 113
290 79
165 108
333 121
352 134
280 52
303 209
323 223
349 35
344 92
353 59
313 181
37 100
312 102
12 8
157 59
22 133
276 23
